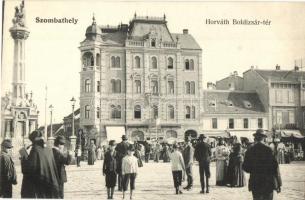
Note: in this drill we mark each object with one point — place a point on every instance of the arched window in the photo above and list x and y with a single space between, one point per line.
192 64
170 63
137 62
171 112
117 62
137 86
87 112
193 112
118 112
98 59
88 59
87 85
192 87
98 87
155 113
154 64
187 87
98 114
113 111
187 64
118 86
153 42
137 112
112 61
113 86
187 112
170 88
154 86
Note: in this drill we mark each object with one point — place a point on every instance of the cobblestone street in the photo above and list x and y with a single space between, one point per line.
154 181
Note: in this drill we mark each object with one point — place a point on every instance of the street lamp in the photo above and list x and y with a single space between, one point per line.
73 137
51 112
73 105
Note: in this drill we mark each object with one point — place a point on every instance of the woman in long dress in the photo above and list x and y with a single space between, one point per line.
222 153
91 153
236 175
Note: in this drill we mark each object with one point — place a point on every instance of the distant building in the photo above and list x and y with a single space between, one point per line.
229 113
141 77
232 82
283 94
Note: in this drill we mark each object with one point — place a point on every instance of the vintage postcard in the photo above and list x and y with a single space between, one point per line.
152 100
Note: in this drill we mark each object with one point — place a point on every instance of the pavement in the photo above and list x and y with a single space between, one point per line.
154 181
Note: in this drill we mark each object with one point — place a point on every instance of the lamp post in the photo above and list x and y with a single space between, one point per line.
51 138
73 137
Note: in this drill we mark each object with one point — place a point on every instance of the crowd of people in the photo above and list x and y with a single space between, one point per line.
44 171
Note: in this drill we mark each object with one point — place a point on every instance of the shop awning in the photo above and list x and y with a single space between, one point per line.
223 134
115 133
285 133
243 134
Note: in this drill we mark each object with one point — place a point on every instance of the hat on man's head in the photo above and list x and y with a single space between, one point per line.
124 137
202 136
60 140
35 136
259 133
111 142
7 143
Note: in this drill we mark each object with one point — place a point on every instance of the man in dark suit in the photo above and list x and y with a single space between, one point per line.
188 154
263 168
121 152
61 159
203 155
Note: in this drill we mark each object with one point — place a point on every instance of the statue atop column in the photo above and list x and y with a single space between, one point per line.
19 18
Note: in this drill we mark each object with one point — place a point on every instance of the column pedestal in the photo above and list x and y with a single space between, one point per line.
50 142
72 148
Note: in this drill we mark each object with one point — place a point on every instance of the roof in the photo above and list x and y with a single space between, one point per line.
55 128
281 75
187 41
232 102
76 112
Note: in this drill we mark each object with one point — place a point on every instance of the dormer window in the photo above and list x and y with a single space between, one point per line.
153 42
229 103
212 103
247 104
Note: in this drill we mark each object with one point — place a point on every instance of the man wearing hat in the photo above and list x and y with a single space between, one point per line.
61 159
263 168
202 155
188 154
109 169
121 150
8 175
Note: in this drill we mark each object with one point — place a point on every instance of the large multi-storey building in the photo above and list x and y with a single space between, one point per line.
141 77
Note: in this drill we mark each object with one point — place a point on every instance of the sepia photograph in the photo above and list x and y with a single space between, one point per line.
146 100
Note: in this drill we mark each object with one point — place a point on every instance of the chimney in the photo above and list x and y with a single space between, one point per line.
252 67
296 68
235 73
211 86
185 31
277 67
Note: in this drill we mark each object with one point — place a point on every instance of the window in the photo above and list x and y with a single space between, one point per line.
279 117
98 59
154 64
187 88
188 112
115 86
98 87
112 61
87 85
153 42
278 96
192 64
137 86
117 62
260 123
192 87
247 104
170 88
87 112
98 112
290 96
212 103
154 86
170 63
193 112
88 59
171 112
155 112
137 62
137 112
231 123
115 112
246 123
118 112
187 64
291 117
229 103
214 123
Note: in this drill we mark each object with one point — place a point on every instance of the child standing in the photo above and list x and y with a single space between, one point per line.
129 170
109 169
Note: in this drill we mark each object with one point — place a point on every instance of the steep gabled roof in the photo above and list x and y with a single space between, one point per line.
187 41
281 75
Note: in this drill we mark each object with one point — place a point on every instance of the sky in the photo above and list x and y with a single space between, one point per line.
53 57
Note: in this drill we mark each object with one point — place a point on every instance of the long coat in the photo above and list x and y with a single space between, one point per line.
121 150
8 175
188 154
263 168
202 152
40 174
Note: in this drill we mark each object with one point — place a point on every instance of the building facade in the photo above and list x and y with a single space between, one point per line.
141 77
233 113
19 114
232 82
